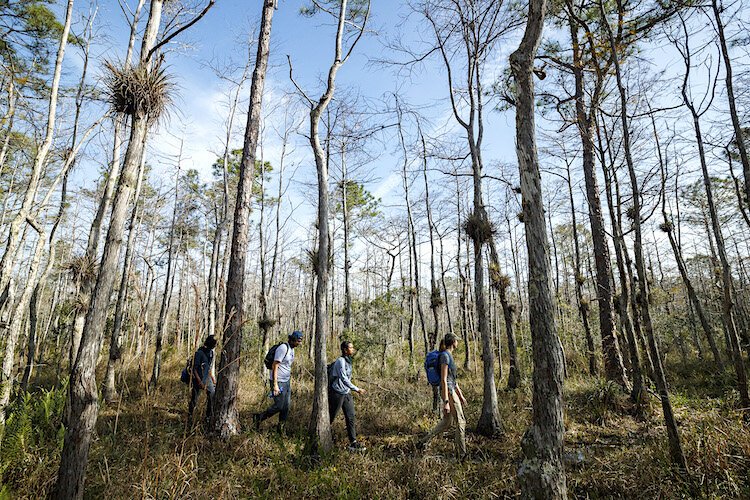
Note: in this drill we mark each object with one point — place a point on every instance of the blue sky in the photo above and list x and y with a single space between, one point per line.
218 39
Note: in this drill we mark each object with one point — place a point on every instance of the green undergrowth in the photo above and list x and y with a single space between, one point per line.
143 449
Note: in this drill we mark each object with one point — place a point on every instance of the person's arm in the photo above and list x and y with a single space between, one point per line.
444 387
197 373
460 394
274 378
341 373
277 359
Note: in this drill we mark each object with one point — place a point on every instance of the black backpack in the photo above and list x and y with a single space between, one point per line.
329 371
268 360
187 372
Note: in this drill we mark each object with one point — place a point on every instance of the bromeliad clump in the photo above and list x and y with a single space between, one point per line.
139 91
479 228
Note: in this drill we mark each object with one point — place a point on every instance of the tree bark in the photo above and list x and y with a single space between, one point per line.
109 390
542 474
83 401
614 369
661 384
168 282
320 438
728 78
225 417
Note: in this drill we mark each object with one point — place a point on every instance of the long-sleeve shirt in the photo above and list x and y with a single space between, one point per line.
342 376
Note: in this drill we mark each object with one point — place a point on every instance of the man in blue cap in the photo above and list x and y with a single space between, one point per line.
281 374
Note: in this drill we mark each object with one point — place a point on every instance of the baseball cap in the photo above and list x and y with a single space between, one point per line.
296 335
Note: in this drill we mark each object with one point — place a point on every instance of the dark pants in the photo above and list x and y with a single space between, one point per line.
337 401
195 395
281 403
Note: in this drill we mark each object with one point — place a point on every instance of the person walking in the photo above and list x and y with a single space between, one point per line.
202 378
340 388
280 382
452 398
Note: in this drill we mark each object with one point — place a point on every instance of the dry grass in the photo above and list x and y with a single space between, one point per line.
144 450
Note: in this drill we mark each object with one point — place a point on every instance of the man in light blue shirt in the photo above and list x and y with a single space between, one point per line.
340 387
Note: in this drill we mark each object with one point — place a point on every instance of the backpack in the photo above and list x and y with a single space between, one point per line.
268 360
329 371
185 375
431 367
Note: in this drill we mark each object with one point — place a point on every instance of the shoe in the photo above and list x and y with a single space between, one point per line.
256 421
356 446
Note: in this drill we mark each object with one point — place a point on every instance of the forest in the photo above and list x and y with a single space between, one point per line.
542 201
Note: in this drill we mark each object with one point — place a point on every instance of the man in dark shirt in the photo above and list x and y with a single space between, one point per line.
202 378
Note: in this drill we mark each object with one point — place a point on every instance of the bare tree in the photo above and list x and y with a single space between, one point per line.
225 418
144 109
643 299
355 16
542 474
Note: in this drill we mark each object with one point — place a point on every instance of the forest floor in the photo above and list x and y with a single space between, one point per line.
144 450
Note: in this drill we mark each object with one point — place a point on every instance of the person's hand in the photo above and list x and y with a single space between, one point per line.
362 392
446 408
276 391
463 399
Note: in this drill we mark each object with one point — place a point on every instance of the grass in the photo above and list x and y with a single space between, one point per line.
143 449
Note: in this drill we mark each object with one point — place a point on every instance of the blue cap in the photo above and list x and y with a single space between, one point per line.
297 335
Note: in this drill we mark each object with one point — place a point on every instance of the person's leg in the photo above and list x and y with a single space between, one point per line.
194 395
275 408
210 401
286 400
444 423
460 435
349 417
335 400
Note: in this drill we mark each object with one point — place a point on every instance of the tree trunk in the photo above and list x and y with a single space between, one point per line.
739 138
661 384
462 300
320 438
583 306
109 390
541 474
82 397
225 417
727 312
435 295
168 282
631 325
347 262
24 216
613 365
14 240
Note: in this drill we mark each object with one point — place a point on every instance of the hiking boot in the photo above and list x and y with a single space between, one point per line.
281 429
357 446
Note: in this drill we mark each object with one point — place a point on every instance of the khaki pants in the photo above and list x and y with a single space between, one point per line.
456 416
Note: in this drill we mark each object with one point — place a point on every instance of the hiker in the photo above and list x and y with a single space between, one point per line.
280 381
203 378
452 399
340 389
